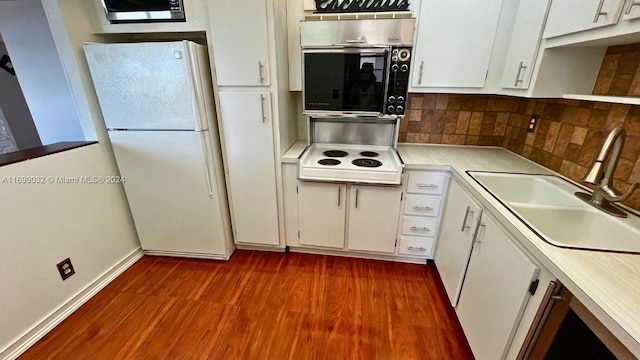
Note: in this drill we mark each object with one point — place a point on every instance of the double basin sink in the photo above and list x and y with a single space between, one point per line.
548 206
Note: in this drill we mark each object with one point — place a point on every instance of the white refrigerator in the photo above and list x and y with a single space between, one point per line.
158 107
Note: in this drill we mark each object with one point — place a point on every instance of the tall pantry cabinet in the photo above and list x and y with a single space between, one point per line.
256 114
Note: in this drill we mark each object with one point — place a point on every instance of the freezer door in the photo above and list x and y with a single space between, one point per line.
149 85
170 186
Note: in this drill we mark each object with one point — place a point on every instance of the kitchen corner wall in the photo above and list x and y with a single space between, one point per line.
568 134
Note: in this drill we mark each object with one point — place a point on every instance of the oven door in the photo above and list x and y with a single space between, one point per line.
120 11
345 81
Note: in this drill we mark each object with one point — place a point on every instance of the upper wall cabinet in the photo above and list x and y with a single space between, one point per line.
631 10
454 43
243 52
524 44
570 16
195 15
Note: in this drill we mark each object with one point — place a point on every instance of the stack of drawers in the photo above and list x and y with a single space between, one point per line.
421 212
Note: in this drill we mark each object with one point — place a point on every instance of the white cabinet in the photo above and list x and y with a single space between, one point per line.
248 142
373 218
459 221
495 291
524 44
368 213
631 10
454 42
570 16
240 42
321 214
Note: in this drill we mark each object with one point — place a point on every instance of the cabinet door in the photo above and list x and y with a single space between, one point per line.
495 291
248 145
321 213
240 41
631 10
525 41
454 42
570 16
373 218
455 239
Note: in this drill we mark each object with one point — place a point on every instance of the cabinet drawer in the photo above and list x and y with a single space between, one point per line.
421 205
416 246
419 226
426 183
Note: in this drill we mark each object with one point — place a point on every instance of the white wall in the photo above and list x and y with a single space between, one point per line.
28 39
41 225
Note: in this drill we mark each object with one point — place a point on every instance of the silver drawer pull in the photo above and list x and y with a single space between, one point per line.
415 228
422 208
355 41
427 186
466 216
417 248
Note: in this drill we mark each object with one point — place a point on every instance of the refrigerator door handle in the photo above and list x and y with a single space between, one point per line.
206 147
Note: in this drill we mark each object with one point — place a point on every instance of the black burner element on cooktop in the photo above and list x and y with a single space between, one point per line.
369 154
329 162
366 162
335 153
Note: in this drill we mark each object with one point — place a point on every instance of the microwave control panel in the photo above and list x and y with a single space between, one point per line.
398 85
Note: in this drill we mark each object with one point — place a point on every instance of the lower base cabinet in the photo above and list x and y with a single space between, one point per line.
364 217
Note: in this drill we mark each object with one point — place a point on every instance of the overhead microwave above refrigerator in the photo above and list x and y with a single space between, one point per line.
123 11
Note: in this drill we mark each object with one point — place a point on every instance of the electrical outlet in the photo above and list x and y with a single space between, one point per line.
65 268
532 123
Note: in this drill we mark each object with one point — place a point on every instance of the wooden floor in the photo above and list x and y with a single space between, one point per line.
263 305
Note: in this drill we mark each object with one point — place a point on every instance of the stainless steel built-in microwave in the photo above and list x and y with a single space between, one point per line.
122 11
358 67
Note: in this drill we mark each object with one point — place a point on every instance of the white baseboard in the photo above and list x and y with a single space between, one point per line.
40 330
394 258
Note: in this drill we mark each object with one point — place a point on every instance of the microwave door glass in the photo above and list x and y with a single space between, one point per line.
345 81
137 5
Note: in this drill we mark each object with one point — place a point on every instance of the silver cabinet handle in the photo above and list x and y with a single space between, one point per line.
466 216
520 68
420 74
427 186
422 208
478 226
356 198
415 228
630 6
264 116
417 248
339 191
599 12
260 70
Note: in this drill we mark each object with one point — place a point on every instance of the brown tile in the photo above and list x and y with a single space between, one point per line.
417 138
442 101
632 124
579 133
552 136
518 120
501 124
467 103
592 143
565 167
490 140
571 102
437 127
541 134
617 116
451 116
499 104
472 140
598 119
429 101
455 102
402 137
488 123
531 137
454 139
404 126
462 125
563 140
415 115
526 151
631 149
539 109
531 106
415 127
475 124
624 74
576 115
573 152
555 163
449 128
633 201
607 71
602 106
634 177
436 139
480 104
554 112
634 89
415 101
620 49
623 169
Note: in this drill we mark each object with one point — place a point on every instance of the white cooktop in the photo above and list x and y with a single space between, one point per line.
388 172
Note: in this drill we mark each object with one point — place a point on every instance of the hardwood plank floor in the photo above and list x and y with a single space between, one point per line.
263 305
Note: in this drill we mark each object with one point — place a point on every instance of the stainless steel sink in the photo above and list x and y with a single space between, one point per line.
548 206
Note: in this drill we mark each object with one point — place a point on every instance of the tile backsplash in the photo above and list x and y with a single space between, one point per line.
568 134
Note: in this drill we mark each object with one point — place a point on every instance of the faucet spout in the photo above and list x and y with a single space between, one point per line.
601 175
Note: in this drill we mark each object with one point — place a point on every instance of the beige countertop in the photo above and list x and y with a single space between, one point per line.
608 284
